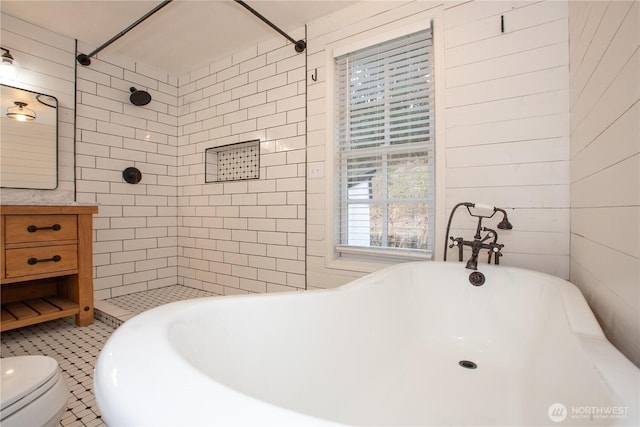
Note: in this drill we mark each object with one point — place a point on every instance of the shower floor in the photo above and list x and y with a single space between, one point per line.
76 348
117 310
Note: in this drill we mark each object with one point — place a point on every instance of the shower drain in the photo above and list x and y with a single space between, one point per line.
467 364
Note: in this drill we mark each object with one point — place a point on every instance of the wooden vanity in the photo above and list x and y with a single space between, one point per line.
45 264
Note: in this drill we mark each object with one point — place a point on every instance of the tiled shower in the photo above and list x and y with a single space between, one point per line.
229 237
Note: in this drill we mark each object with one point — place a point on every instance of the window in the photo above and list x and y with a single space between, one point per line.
385 148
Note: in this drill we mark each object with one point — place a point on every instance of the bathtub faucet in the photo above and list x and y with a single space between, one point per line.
489 241
477 244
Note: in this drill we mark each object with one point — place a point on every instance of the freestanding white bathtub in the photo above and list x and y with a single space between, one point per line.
414 344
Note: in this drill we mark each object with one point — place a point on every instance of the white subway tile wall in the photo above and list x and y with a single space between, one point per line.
246 235
135 246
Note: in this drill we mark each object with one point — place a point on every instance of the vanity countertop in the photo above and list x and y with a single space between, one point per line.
47 209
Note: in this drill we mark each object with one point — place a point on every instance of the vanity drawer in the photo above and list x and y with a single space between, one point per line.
41 260
40 228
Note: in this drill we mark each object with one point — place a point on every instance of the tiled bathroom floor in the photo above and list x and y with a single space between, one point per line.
76 348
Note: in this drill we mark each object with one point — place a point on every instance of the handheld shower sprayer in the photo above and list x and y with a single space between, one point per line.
504 224
480 211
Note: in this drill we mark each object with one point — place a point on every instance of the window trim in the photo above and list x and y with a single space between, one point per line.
373 259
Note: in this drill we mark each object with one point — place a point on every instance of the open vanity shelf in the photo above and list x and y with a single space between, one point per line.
45 264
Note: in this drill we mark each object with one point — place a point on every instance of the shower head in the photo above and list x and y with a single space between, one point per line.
139 97
504 224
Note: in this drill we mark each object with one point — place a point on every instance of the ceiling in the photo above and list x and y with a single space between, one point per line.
181 37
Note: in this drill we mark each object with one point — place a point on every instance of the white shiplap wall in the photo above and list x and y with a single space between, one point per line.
506 122
47 66
605 165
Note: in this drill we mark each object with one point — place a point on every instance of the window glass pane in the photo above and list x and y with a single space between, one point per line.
377 226
408 226
359 224
405 227
407 176
384 104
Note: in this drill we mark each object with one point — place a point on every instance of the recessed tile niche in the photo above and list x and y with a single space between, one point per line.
233 162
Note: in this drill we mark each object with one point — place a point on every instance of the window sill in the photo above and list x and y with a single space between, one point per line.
368 260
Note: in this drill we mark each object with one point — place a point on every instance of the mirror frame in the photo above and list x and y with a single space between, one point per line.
56 142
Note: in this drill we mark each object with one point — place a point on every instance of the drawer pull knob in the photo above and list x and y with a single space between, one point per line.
34 261
33 228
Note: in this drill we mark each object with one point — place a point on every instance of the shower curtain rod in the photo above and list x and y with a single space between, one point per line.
300 45
86 59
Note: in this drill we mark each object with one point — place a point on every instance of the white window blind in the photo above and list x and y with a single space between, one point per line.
385 147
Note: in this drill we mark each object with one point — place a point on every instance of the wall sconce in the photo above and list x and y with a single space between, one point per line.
20 113
9 66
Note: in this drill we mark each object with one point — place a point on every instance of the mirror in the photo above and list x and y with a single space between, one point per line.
28 139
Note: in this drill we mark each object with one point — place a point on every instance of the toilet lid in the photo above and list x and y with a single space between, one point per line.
21 375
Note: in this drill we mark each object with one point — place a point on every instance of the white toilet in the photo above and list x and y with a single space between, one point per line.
34 392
